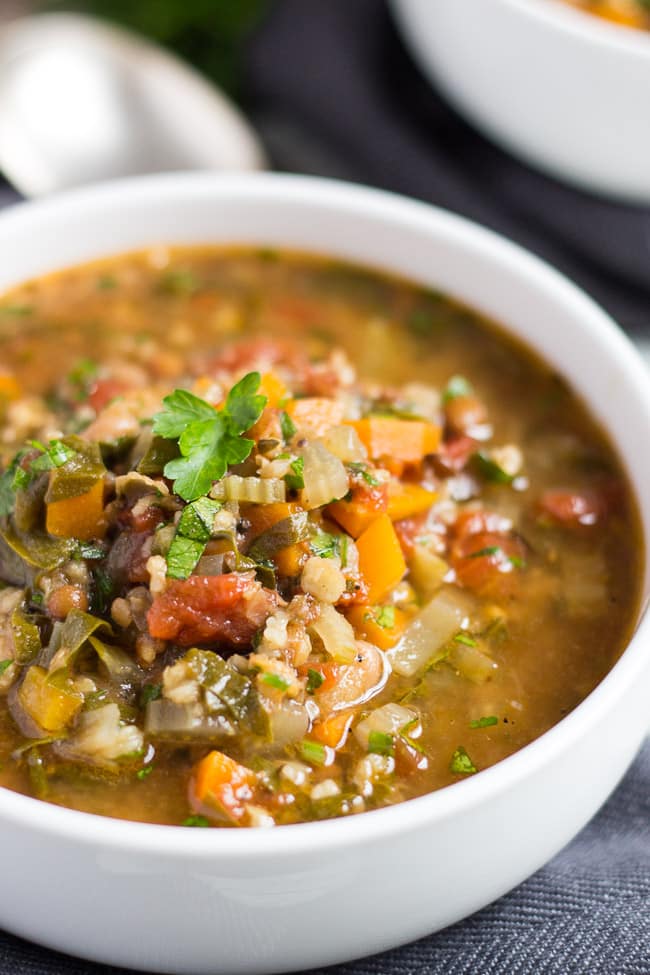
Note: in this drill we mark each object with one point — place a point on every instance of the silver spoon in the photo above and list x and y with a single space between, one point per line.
81 101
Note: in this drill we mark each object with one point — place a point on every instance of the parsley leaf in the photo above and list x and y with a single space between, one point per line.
457 386
358 468
381 743
461 763
183 556
275 680
209 440
287 426
196 821
486 722
314 680
295 481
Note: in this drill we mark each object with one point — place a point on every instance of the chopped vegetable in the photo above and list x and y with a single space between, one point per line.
381 561
222 786
461 763
431 629
403 440
486 722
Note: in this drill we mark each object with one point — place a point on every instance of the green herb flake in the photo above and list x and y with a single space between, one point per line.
358 468
486 722
384 616
313 751
201 821
197 519
457 386
314 680
461 763
381 743
324 545
489 469
275 680
82 375
287 426
485 552
295 481
150 692
465 639
179 281
5 665
144 773
209 440
55 454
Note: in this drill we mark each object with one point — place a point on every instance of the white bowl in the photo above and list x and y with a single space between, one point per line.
565 90
207 901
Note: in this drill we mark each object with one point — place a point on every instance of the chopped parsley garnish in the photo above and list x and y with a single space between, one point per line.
324 545
150 692
466 640
209 440
381 743
196 821
313 751
457 386
287 426
55 454
489 469
193 532
275 680
490 550
481 552
486 722
183 556
10 483
295 480
143 773
314 680
461 763
4 665
81 376
358 468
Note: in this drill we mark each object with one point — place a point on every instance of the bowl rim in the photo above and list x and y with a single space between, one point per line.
583 25
226 845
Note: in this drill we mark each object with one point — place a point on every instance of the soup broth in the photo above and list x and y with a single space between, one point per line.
285 539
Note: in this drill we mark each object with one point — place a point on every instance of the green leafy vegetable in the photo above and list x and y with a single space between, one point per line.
5 665
385 617
324 545
314 680
26 636
465 639
295 481
461 763
179 281
55 454
489 469
144 773
183 556
358 468
150 692
209 440
287 426
486 722
381 743
75 473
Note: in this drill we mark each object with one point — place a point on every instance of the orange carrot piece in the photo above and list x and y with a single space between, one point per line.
333 732
273 388
81 517
222 784
407 500
381 561
364 620
9 387
315 415
402 440
289 560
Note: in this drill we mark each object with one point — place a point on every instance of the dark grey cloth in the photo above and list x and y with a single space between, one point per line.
333 92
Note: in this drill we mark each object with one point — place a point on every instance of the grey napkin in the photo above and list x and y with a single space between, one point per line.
333 92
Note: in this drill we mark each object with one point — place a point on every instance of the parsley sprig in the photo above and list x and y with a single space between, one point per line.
209 440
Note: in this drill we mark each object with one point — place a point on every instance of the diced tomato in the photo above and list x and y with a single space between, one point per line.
575 508
206 609
480 520
454 452
103 391
488 562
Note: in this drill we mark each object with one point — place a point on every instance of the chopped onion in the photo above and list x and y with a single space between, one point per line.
388 720
336 633
430 630
472 663
324 476
426 571
344 442
259 490
289 722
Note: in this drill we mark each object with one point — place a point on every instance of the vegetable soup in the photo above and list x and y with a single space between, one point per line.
283 539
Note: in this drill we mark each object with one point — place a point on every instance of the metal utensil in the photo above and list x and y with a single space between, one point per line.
81 101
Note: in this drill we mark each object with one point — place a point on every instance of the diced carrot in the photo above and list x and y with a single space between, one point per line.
221 784
273 388
50 705
381 561
315 415
289 561
365 618
333 732
406 500
366 504
328 670
9 387
401 440
488 562
81 517
263 516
